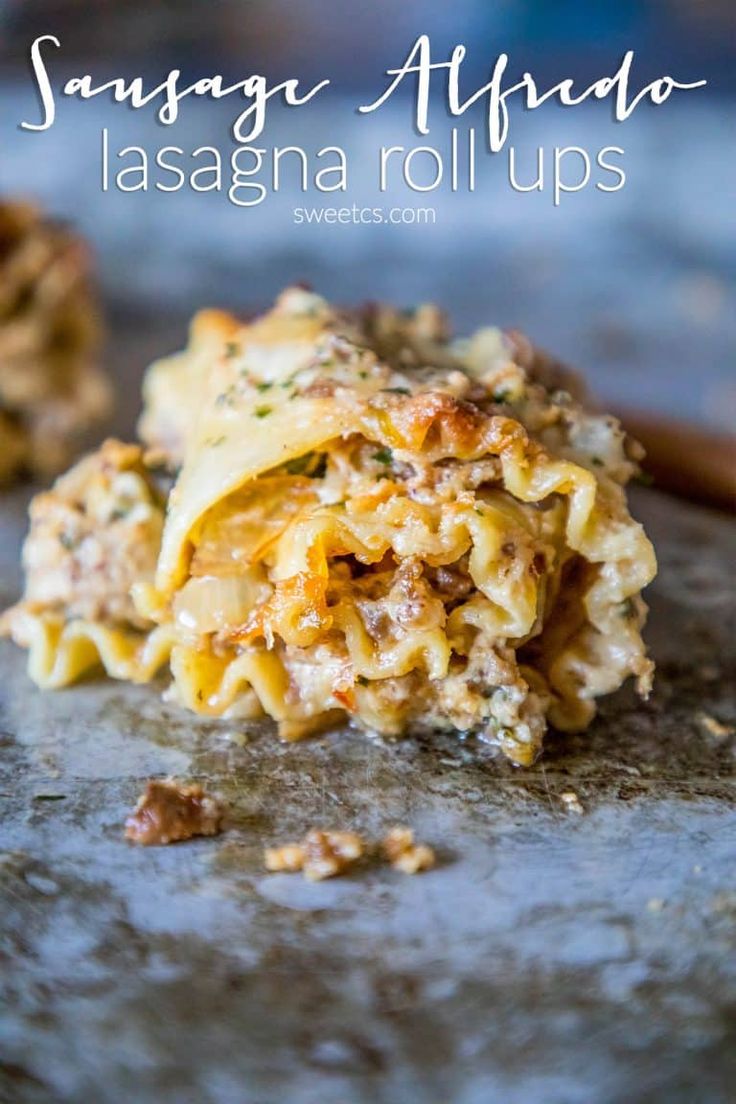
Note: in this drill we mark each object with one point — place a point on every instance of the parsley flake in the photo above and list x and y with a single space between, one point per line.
299 464
383 456
312 464
262 411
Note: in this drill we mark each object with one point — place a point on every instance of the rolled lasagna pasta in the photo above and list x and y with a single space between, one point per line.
362 519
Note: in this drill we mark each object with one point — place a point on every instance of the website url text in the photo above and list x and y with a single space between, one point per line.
351 216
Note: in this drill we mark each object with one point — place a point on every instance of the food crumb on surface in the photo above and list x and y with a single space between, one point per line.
655 904
288 859
321 854
169 811
571 801
404 854
237 737
326 854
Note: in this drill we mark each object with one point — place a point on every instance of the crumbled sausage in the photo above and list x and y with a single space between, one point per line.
321 854
288 859
168 812
93 535
404 854
325 854
411 603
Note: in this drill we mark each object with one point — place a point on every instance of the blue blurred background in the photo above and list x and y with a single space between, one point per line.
635 287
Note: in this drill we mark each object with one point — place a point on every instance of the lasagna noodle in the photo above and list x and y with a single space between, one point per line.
61 652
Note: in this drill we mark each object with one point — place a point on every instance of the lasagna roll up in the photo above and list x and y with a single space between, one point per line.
371 521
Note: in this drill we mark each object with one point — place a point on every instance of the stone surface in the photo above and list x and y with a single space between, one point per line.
550 957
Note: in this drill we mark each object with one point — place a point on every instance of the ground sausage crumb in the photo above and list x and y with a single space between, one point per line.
168 812
321 854
287 859
404 854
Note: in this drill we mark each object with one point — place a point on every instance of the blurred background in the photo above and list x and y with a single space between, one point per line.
634 287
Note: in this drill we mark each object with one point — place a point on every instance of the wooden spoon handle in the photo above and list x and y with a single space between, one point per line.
687 460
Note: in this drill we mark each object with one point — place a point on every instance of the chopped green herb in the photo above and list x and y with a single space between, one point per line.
501 396
299 464
318 471
262 411
265 386
363 374
67 541
396 390
383 456
213 442
596 460
231 349
311 463
645 478
362 680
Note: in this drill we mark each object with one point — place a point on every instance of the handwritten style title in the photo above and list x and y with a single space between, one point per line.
422 168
